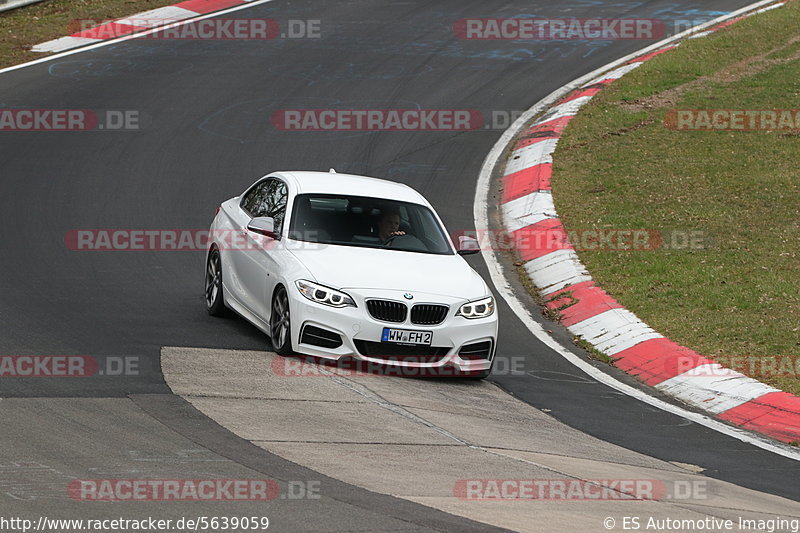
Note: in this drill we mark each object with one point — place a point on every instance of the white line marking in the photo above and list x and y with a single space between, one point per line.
480 210
770 8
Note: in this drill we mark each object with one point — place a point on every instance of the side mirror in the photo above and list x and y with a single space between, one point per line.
468 245
263 226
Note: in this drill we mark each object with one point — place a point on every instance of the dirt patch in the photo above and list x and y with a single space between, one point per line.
740 70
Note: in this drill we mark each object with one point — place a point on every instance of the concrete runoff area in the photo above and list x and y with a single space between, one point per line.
421 439
52 443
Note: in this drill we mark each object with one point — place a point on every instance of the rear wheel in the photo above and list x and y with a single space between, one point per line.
280 323
214 300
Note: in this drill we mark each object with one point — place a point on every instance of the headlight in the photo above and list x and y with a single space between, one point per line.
324 295
477 309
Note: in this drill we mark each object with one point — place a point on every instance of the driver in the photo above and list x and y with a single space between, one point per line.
389 225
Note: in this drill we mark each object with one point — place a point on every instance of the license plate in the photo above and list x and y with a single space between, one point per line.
407 336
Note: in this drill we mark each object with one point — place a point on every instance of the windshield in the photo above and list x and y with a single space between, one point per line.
367 223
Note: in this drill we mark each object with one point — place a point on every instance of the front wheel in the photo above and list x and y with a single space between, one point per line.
280 323
215 304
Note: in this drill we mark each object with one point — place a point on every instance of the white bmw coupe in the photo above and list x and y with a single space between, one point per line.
341 267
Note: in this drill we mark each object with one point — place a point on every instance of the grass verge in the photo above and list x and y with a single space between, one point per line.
619 167
22 28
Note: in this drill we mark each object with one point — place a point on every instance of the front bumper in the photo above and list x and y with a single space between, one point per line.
361 334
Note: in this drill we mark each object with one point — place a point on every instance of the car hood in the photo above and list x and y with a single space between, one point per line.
352 267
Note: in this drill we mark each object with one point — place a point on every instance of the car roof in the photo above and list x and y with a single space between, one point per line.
335 183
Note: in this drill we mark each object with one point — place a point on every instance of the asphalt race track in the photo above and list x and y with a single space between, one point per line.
206 135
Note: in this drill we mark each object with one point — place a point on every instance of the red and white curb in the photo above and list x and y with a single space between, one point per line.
590 313
135 23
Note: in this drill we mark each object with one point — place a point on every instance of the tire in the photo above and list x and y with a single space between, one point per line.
215 304
280 325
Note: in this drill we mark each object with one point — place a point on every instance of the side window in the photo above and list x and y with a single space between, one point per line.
275 203
268 199
251 199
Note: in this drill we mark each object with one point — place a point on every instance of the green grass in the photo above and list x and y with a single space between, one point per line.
618 166
22 28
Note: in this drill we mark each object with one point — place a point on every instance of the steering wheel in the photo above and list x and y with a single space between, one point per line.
410 243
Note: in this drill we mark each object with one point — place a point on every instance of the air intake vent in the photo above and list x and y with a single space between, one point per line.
478 350
428 315
320 337
387 311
